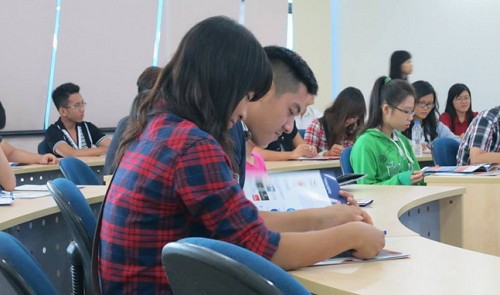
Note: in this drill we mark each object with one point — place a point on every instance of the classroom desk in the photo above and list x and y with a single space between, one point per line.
297 165
433 267
481 210
40 174
38 224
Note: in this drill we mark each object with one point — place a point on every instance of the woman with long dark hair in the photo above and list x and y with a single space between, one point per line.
339 125
426 112
458 112
382 152
401 65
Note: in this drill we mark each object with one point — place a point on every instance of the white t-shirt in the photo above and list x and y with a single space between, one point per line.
305 120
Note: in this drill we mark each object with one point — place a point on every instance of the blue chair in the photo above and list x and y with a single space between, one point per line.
82 224
302 132
444 151
345 161
78 171
43 148
21 270
207 266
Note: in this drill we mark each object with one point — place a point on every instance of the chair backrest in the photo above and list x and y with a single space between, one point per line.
78 172
43 148
79 217
302 132
21 269
444 151
345 160
261 266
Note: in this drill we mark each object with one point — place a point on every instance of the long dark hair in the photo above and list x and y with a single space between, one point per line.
429 123
216 65
454 92
349 103
397 59
391 92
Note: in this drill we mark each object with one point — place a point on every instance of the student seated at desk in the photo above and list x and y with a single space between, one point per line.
7 177
14 154
144 83
293 77
458 113
426 112
381 151
327 134
481 142
175 178
70 136
289 146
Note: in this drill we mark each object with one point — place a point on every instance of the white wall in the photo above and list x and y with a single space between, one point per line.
102 46
451 41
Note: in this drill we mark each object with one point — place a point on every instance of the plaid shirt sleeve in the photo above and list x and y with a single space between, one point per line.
315 135
204 183
172 183
482 133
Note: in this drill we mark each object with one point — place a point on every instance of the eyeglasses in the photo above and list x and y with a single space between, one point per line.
425 105
462 98
408 113
77 106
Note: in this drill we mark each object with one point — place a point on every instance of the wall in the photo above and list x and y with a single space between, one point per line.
451 41
102 46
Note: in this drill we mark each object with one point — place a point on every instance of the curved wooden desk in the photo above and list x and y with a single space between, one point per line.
38 224
27 210
481 203
433 267
297 165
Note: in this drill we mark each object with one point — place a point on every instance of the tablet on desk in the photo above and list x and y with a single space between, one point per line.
349 178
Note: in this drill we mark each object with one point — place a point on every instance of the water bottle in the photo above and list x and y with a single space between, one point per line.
416 136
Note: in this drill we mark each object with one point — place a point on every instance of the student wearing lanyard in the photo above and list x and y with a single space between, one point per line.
70 136
381 151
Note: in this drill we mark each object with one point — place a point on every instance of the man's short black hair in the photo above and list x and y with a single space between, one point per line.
289 66
61 94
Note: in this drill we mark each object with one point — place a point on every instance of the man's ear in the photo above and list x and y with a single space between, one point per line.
62 111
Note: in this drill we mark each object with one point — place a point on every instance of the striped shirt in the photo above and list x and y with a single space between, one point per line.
483 133
173 182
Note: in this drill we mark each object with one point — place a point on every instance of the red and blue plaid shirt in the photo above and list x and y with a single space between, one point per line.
315 135
173 182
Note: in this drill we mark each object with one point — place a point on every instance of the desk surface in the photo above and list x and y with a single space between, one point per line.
296 165
433 268
91 161
25 210
481 207
390 202
462 179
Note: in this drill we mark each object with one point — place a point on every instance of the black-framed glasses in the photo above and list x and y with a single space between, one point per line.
77 106
408 113
425 105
